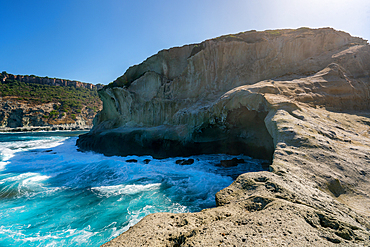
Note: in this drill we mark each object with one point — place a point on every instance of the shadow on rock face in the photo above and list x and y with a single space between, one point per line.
243 133
336 188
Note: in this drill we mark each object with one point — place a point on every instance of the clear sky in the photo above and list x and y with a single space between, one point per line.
97 40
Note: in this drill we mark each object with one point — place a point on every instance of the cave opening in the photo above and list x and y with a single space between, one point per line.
243 132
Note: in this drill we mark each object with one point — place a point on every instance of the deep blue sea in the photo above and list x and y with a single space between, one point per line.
53 195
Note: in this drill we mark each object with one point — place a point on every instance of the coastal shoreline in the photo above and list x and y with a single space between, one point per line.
45 128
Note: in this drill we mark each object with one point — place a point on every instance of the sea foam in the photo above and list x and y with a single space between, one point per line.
54 195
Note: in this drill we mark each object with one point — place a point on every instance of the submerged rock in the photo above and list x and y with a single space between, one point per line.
231 163
184 162
299 98
131 161
146 161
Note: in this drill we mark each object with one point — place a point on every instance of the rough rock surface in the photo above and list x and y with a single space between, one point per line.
16 115
299 97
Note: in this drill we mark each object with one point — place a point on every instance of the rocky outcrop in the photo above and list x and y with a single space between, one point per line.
175 100
32 103
18 116
300 98
48 81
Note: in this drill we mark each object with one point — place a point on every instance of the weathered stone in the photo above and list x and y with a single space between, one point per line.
20 116
48 81
335 187
146 161
299 98
131 161
184 162
231 163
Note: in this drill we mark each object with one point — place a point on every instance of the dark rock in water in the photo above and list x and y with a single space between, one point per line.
231 163
187 162
131 161
184 162
265 165
146 161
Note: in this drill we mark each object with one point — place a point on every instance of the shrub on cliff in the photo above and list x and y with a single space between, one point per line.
69 99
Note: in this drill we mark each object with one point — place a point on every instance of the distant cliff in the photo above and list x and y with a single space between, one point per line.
4 76
30 103
297 97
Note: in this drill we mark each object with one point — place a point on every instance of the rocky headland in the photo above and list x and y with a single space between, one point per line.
31 103
299 98
48 81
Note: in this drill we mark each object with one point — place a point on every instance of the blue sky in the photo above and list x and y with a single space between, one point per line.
97 40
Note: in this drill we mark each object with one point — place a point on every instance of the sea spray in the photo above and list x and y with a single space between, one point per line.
53 195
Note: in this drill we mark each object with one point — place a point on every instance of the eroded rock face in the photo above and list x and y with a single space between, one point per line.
300 98
48 81
16 115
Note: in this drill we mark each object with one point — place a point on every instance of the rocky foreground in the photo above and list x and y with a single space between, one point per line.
300 98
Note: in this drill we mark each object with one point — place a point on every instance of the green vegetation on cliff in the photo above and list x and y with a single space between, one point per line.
69 102
71 98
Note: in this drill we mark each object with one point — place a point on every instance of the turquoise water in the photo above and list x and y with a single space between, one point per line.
53 195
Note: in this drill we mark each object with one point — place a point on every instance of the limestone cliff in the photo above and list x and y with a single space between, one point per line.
48 81
300 98
18 116
29 103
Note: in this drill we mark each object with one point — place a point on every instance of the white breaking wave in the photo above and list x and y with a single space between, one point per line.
27 184
116 190
86 199
8 149
68 237
26 179
2 165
